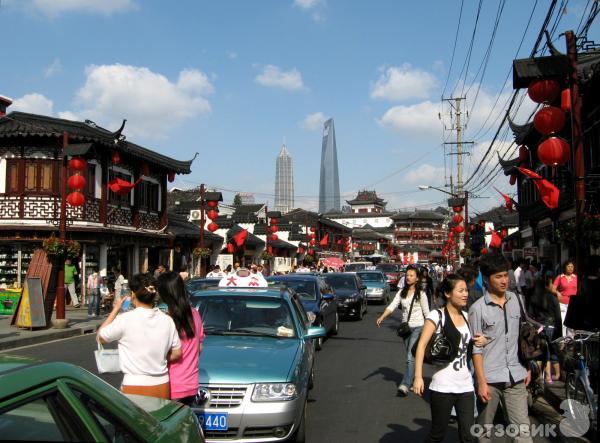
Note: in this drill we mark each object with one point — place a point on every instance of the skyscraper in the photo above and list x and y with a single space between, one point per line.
284 181
329 187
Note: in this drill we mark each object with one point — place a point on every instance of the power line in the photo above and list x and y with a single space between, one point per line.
465 67
454 47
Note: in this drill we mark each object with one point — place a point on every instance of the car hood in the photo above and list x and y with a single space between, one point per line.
244 360
343 293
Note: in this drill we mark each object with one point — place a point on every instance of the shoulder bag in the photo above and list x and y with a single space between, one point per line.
530 342
404 328
440 350
107 360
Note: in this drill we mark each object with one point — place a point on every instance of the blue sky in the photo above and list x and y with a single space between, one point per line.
232 79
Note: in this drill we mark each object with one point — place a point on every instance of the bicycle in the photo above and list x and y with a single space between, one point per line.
580 362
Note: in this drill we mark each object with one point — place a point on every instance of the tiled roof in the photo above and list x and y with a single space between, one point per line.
181 228
19 125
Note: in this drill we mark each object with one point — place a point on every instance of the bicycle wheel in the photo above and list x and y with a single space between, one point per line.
578 400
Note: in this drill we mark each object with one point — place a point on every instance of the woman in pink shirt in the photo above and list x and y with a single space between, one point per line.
183 373
565 287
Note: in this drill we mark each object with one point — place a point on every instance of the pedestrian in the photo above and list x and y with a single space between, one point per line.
70 274
93 288
183 273
420 309
183 373
520 277
582 313
500 375
451 385
147 339
159 270
119 280
470 273
228 270
565 287
544 308
426 283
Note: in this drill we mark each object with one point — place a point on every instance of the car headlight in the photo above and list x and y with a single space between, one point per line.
274 392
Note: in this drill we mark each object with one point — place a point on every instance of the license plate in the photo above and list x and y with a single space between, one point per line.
213 422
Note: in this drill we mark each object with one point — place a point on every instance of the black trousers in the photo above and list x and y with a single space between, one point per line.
441 406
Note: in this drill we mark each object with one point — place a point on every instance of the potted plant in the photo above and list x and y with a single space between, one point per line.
55 247
201 252
266 256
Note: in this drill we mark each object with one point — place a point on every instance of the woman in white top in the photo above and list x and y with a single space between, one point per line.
420 309
147 340
451 385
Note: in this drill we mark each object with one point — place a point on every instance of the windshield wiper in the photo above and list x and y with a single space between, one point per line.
251 332
212 330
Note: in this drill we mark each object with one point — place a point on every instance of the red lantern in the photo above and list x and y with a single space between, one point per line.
274 221
230 248
212 227
451 234
75 198
301 250
212 203
554 151
115 158
457 219
312 235
340 241
274 228
543 90
76 182
548 120
311 252
346 249
503 232
270 249
77 163
523 154
565 100
484 251
312 242
354 245
145 169
212 214
313 229
459 229
171 177
274 237
457 209
513 179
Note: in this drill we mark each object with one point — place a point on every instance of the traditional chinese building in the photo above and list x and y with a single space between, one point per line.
421 232
116 230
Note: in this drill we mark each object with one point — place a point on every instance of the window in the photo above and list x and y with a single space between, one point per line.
40 176
147 195
12 176
115 199
91 180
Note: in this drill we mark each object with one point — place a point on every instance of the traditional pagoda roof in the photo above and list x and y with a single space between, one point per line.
365 198
419 215
250 240
19 125
180 227
304 217
499 216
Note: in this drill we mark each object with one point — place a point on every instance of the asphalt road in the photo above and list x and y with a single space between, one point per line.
354 398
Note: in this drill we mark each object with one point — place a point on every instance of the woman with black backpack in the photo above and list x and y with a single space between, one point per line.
452 383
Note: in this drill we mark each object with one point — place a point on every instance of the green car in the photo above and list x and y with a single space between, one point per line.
63 402
256 365
378 288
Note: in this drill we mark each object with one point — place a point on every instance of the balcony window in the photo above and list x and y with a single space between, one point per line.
115 199
147 194
40 177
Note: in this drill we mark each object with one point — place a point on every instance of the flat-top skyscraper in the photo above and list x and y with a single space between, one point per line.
329 187
284 181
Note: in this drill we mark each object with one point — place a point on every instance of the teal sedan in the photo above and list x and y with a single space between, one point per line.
256 366
378 288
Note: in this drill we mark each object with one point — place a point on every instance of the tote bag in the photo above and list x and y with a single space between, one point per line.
107 360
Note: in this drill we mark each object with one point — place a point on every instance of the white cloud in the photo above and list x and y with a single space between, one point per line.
274 76
307 4
314 122
53 8
425 174
419 119
68 115
33 103
232 55
404 83
151 103
54 68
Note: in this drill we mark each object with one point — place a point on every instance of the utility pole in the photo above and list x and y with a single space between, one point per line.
456 148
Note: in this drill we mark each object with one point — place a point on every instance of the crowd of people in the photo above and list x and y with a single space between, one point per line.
478 310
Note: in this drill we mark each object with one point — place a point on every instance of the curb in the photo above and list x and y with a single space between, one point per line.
50 335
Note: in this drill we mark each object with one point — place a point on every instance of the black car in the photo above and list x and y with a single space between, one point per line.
351 293
317 297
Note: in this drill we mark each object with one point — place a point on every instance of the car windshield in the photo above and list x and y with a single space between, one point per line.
341 281
353 267
202 284
371 276
304 288
228 314
388 268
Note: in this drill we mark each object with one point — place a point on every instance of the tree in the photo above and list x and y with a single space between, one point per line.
237 200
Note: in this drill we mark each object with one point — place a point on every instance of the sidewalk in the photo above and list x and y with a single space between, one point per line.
79 324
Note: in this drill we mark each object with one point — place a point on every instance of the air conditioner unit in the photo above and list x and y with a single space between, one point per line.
195 215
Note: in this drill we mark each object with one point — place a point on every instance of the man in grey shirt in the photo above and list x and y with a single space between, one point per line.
500 375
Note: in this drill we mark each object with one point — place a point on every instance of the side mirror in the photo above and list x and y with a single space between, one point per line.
327 297
315 332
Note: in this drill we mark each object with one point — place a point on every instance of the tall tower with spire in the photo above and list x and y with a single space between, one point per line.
284 181
329 186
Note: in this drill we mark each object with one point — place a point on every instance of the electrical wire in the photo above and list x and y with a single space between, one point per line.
465 67
454 46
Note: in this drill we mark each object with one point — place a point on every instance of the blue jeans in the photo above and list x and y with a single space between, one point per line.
409 341
93 301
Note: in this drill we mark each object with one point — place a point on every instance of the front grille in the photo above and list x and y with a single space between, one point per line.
221 435
222 397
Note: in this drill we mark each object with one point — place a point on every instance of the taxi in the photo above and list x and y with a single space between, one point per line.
257 361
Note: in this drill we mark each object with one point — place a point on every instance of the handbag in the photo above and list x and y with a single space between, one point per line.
530 342
107 360
404 328
440 350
